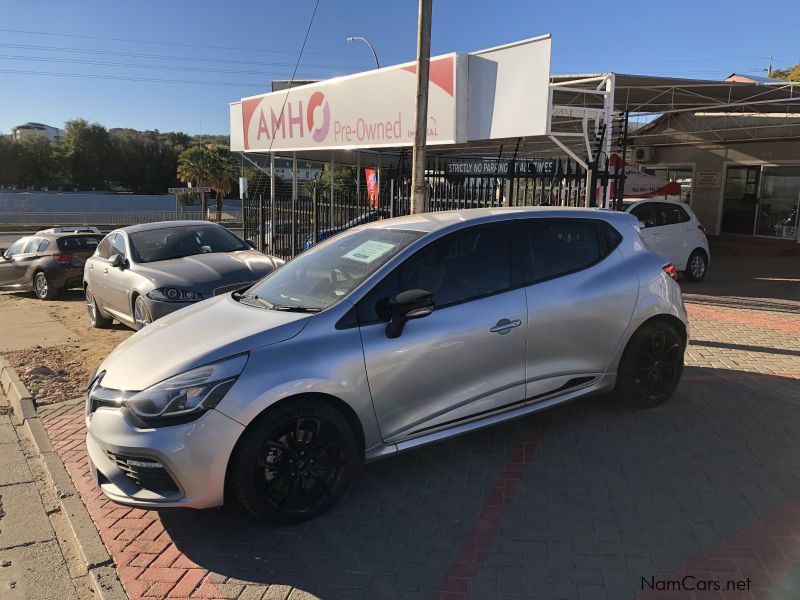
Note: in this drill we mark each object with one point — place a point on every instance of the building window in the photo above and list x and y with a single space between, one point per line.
740 199
778 203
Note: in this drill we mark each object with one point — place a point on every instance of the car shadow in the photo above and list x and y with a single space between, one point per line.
605 495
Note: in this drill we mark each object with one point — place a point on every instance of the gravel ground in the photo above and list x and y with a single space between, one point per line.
61 372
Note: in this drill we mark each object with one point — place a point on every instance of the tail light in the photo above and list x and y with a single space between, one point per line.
703 229
670 270
62 258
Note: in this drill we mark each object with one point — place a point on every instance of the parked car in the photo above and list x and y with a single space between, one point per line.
672 230
49 261
387 337
140 273
375 214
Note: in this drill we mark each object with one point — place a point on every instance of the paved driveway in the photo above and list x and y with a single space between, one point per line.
586 501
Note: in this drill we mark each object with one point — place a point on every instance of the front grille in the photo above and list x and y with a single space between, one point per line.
224 289
144 472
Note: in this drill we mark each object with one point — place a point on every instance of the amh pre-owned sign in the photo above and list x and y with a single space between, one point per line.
370 109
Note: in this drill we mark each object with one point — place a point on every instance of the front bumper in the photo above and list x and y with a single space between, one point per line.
159 308
195 456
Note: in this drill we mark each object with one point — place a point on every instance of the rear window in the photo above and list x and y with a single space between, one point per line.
78 242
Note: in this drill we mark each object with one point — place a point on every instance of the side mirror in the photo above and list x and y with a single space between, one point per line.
251 243
411 304
117 261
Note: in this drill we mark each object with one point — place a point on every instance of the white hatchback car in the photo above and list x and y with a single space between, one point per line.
672 230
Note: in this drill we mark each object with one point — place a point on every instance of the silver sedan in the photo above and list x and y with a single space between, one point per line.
141 273
381 339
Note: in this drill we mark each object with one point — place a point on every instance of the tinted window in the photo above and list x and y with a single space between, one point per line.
118 245
644 212
104 250
670 214
43 245
15 248
559 247
78 242
186 240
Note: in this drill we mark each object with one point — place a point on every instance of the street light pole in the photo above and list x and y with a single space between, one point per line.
366 41
418 188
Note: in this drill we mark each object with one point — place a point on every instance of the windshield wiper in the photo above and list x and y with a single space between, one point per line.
296 308
252 300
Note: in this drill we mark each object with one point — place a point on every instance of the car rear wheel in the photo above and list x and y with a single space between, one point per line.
96 317
294 462
651 366
696 266
43 289
141 314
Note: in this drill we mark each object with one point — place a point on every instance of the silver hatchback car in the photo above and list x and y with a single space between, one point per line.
386 337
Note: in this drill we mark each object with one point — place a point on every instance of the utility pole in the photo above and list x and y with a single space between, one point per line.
419 190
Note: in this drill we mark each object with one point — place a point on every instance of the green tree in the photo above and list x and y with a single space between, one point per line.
791 74
84 154
208 166
142 162
343 178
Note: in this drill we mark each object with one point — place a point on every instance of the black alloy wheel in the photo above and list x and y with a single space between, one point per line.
293 464
651 365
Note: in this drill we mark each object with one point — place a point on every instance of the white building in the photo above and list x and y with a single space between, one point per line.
30 129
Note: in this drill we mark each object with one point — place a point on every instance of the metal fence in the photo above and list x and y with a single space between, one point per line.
115 219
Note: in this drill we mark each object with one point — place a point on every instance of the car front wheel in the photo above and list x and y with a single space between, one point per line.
651 366
294 462
43 289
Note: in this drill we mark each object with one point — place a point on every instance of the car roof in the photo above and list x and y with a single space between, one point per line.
436 221
162 225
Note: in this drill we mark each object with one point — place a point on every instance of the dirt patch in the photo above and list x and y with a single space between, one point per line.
61 372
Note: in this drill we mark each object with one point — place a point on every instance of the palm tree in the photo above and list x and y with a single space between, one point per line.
208 166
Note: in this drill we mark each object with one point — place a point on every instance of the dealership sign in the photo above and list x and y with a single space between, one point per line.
333 114
491 94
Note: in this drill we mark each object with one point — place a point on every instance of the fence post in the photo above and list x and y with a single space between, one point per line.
315 216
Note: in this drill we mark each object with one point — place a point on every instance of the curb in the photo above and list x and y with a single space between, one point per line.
85 537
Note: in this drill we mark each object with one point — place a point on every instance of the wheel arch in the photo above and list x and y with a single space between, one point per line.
663 318
701 250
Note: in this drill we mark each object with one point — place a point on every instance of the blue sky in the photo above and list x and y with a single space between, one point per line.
234 48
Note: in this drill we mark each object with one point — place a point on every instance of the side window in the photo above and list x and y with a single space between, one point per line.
105 249
644 212
559 247
670 214
30 246
118 245
15 248
456 268
43 245
461 266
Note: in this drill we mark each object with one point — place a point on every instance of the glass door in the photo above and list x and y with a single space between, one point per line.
741 199
778 205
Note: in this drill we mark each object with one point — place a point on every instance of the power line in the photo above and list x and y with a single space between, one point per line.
156 56
163 43
145 66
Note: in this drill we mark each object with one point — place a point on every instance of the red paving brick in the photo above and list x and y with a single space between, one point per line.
150 565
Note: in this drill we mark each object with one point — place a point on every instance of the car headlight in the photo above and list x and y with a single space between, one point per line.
171 294
187 394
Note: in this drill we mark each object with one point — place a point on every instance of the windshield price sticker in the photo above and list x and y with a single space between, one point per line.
369 251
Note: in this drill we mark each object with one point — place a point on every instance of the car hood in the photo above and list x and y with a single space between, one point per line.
205 272
205 332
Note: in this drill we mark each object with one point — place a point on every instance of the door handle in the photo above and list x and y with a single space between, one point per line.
105 270
91 267
505 325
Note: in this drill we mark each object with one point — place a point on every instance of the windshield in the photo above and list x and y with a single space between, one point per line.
183 240
324 275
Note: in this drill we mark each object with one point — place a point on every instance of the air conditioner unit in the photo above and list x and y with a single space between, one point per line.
644 154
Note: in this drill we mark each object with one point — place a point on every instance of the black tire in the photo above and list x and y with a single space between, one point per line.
42 287
96 316
696 266
294 462
141 314
651 366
